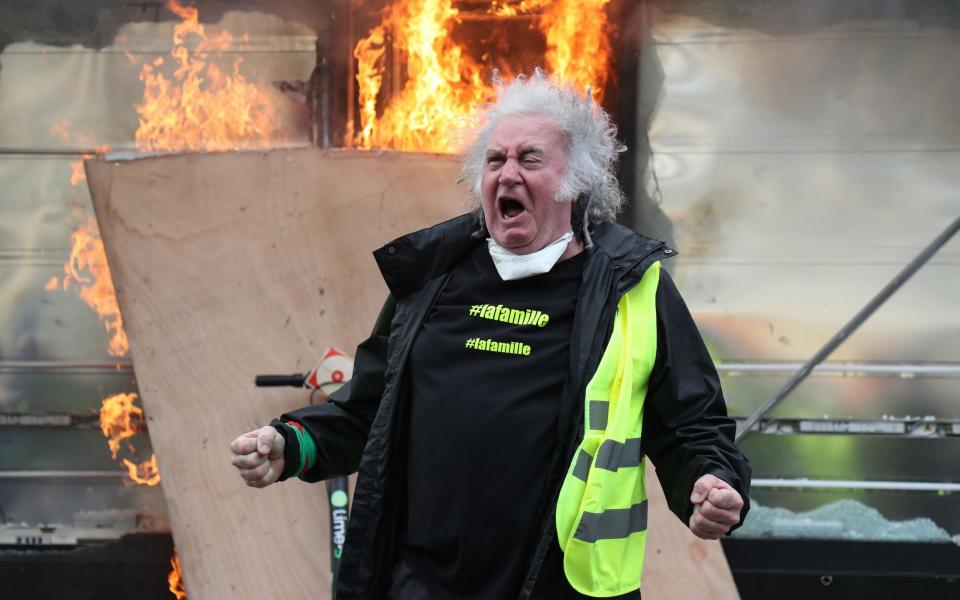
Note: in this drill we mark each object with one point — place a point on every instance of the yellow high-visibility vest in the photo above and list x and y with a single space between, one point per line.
602 509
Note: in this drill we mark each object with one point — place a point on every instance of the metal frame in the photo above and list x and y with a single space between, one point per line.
925 427
847 330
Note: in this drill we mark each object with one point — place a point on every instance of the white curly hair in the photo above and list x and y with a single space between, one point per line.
592 146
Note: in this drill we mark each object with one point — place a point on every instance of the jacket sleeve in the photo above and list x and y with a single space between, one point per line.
686 430
340 426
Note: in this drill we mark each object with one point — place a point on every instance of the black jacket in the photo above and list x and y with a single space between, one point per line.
686 431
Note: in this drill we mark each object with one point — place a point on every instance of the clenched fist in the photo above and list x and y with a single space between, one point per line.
716 508
258 455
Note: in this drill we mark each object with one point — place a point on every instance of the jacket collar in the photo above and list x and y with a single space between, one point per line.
410 261
625 248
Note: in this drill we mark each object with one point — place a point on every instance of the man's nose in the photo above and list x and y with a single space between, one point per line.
510 172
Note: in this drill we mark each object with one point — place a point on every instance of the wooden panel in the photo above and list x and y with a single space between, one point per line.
227 266
679 565
231 265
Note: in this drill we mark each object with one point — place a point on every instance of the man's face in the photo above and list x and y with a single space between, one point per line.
523 166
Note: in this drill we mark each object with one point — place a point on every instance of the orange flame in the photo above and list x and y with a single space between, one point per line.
443 84
88 273
369 53
77 174
578 43
175 578
577 34
118 419
507 9
145 473
202 107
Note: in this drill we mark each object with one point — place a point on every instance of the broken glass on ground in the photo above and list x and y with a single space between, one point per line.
841 520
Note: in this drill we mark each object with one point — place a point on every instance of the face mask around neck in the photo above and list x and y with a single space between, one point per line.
512 266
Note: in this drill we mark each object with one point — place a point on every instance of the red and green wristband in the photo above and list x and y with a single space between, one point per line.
308 448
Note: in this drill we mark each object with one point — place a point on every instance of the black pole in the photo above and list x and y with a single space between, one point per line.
850 327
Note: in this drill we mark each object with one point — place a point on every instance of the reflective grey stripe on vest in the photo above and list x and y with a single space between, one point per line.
581 468
614 455
598 410
611 455
615 523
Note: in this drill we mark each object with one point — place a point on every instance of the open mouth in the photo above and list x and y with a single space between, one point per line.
510 208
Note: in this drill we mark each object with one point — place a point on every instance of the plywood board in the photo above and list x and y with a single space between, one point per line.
679 565
228 266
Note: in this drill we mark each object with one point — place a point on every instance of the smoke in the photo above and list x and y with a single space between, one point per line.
781 17
95 24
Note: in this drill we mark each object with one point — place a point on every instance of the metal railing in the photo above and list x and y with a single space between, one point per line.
858 319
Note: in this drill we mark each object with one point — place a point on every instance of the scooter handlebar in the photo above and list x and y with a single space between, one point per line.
295 380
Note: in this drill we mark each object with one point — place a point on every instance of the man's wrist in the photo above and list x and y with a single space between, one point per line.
291 449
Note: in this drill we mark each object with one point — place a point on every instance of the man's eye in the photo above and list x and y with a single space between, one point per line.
494 161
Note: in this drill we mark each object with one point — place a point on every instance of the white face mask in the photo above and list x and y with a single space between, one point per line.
512 266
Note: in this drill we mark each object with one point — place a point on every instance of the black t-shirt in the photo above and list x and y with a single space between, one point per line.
487 371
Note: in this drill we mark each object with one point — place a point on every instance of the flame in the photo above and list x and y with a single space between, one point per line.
145 473
87 272
77 174
120 419
117 419
202 107
444 85
369 53
578 43
507 9
578 39
175 578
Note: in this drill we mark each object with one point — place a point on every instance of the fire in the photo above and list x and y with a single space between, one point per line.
175 578
578 38
145 473
523 7
77 174
578 43
444 85
87 272
369 53
202 107
119 419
